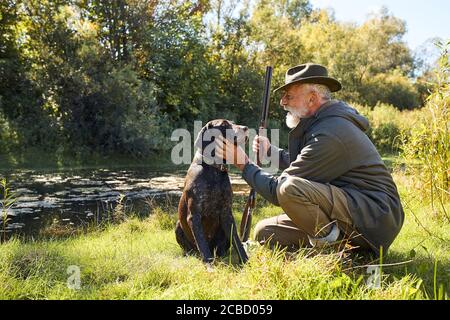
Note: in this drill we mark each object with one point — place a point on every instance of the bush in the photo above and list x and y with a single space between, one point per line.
385 136
7 135
391 88
386 123
428 142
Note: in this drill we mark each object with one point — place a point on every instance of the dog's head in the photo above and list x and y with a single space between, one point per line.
219 127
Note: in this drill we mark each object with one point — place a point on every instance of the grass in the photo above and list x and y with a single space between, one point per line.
140 259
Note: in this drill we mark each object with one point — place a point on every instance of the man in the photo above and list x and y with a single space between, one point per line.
334 185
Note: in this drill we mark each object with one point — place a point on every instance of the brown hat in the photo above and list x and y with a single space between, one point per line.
310 73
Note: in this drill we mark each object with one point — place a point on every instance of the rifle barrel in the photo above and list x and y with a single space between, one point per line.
251 200
266 97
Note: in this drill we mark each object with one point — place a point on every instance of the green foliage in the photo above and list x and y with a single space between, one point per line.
239 82
8 138
384 137
386 124
7 199
116 77
363 57
75 94
140 259
172 54
23 122
393 88
428 142
163 220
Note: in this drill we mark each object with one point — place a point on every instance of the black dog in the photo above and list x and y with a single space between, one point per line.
206 224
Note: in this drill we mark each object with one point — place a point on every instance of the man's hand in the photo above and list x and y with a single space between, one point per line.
261 144
231 153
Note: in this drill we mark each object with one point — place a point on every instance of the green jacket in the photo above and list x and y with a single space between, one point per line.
331 147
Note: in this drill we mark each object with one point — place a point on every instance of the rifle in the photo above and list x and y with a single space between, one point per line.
246 221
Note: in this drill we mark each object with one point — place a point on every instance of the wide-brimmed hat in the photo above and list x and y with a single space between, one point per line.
310 73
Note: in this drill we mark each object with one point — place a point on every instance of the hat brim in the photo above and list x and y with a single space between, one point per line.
333 84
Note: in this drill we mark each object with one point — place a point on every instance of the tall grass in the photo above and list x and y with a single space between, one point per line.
6 202
426 144
387 124
139 258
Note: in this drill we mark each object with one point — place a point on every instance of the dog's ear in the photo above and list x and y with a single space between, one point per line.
223 126
199 140
226 128
204 137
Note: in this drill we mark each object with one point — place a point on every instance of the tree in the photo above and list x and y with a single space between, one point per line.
363 57
21 103
172 54
239 78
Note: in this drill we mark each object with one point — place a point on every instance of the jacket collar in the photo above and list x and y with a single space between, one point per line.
324 107
306 122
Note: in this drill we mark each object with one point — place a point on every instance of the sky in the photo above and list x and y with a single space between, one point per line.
424 19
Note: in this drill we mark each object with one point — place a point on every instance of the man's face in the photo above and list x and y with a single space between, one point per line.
296 100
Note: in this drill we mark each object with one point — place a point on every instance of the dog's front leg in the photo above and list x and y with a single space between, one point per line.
182 240
229 227
195 223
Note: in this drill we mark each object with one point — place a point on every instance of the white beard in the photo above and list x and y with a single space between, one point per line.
292 120
294 116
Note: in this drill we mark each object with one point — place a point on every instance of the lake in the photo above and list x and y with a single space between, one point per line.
80 196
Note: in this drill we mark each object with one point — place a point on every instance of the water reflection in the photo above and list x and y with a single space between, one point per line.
77 197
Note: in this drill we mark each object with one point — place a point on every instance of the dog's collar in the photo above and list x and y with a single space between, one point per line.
221 167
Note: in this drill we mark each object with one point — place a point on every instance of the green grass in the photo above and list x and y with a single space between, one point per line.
140 259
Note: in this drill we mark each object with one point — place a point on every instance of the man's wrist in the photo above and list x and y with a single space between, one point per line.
241 166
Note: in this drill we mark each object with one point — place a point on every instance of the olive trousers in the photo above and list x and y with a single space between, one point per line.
310 209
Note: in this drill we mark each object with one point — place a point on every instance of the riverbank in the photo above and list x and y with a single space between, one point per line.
140 259
131 257
36 159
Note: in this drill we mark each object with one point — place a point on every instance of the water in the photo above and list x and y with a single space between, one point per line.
77 197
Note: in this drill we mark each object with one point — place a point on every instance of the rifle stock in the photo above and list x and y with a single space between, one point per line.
246 221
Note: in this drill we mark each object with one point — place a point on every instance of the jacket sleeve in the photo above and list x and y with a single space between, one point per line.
283 157
323 159
264 183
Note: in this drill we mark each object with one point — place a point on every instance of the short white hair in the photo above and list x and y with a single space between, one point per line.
321 89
